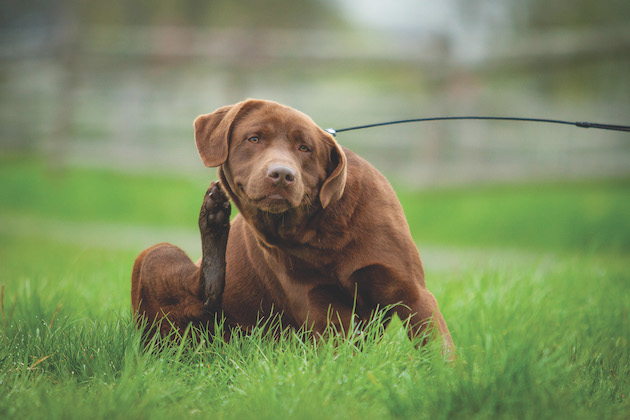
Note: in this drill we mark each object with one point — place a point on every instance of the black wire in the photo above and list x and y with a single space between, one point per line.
540 120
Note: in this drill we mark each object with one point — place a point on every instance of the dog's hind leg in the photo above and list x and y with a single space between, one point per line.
165 282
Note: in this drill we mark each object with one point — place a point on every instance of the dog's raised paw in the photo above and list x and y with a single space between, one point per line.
215 210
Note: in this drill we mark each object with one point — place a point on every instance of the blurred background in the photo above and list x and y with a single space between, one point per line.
98 161
523 229
117 84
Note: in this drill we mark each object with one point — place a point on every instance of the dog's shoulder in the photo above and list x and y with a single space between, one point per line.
365 183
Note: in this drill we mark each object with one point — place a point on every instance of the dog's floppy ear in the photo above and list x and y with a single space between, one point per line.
333 186
211 136
212 132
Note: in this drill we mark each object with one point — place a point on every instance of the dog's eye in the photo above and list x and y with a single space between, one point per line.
253 139
303 148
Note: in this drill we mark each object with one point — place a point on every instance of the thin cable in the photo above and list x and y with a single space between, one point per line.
538 120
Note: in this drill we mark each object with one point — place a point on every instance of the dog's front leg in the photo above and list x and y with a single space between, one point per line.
166 283
214 226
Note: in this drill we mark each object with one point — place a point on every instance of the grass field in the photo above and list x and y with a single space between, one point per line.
532 279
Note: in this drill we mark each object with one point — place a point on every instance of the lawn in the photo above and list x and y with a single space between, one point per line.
532 280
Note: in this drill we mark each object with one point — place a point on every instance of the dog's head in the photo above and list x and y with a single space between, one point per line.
272 157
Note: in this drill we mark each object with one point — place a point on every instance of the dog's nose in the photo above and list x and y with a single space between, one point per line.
281 174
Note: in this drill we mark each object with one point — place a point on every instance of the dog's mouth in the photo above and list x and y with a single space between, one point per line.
272 202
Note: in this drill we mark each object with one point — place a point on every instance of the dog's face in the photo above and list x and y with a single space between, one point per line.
273 158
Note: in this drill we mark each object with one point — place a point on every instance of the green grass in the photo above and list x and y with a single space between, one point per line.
580 216
32 189
542 331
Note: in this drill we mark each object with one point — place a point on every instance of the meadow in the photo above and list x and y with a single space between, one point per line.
531 278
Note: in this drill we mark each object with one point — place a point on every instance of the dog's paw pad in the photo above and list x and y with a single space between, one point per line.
215 210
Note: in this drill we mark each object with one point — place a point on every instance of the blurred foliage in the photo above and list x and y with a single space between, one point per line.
219 13
534 14
543 14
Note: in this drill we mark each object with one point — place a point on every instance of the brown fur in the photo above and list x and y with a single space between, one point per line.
320 235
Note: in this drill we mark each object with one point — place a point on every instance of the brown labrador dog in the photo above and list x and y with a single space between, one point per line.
320 236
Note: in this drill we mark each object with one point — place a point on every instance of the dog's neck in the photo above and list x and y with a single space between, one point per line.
294 227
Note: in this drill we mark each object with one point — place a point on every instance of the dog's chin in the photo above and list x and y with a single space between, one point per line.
273 203
269 200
